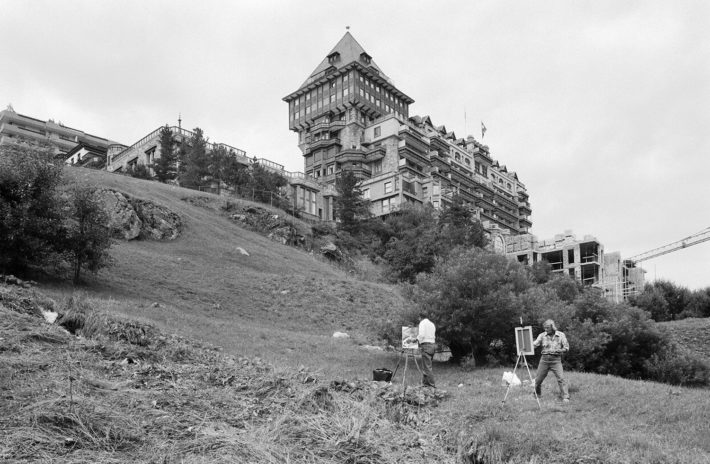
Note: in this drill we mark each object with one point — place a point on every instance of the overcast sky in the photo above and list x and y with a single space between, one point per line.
601 107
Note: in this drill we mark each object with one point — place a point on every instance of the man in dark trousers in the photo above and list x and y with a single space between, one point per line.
427 346
554 344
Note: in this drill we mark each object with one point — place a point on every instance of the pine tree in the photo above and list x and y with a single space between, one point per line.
194 168
350 206
165 167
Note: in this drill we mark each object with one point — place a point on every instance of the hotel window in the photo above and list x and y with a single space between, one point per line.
366 193
377 167
331 169
378 131
345 92
388 187
332 98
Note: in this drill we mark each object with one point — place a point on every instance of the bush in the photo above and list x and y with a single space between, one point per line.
473 298
678 368
30 209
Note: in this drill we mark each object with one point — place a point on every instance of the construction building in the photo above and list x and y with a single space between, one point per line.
18 128
582 259
349 115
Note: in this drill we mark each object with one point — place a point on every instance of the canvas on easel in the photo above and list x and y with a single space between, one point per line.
410 349
524 341
409 338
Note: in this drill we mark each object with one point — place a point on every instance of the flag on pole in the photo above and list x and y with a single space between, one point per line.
483 130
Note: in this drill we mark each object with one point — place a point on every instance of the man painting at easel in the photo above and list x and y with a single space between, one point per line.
427 347
554 344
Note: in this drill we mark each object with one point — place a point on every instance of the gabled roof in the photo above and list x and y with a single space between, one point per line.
346 51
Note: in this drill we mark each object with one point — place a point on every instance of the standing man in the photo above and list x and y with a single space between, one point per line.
427 346
554 343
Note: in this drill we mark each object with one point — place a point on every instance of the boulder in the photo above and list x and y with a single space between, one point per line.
132 218
123 219
158 222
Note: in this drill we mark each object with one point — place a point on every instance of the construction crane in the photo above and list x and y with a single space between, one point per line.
700 237
628 285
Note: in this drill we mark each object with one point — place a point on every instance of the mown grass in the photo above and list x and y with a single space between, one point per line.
203 392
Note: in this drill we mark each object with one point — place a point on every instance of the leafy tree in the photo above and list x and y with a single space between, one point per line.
565 287
459 227
541 271
30 210
165 167
664 300
473 299
267 185
140 171
412 245
350 206
699 304
677 297
88 237
653 300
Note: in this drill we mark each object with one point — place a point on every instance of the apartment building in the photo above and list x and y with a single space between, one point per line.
349 115
18 128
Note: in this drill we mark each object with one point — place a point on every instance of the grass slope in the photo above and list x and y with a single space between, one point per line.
187 402
691 334
280 303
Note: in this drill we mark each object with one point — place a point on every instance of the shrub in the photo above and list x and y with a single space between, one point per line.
473 299
30 209
678 368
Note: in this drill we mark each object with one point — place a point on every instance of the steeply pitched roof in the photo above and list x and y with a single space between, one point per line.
349 50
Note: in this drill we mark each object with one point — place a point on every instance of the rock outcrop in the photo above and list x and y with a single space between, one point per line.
275 227
158 222
131 218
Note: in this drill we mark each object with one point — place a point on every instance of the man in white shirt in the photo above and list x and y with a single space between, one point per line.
427 347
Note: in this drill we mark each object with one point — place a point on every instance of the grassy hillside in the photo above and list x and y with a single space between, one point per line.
235 362
691 334
279 303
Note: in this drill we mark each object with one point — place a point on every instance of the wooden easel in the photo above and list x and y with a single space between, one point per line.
406 353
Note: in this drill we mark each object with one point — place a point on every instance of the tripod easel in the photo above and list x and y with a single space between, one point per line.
524 344
532 382
406 353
